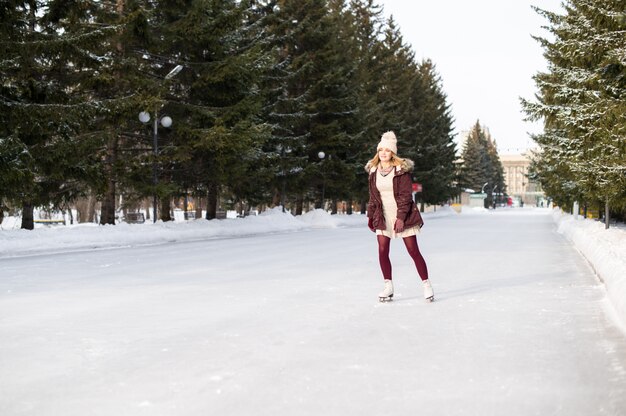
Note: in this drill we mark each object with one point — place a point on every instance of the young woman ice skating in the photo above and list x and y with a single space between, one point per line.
392 213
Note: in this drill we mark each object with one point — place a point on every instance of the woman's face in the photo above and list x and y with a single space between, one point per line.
384 154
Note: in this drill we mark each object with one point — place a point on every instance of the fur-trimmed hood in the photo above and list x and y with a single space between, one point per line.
406 166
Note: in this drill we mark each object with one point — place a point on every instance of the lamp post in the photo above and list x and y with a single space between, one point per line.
322 155
283 174
493 194
166 122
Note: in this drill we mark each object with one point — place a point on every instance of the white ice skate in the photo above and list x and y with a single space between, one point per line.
429 294
387 294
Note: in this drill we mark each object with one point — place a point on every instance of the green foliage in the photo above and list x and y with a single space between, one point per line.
215 101
43 112
265 87
432 146
481 169
581 100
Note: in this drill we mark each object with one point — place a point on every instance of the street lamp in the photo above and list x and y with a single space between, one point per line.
482 190
166 122
493 195
322 155
174 71
284 151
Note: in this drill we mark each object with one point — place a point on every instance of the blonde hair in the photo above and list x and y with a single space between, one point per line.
395 160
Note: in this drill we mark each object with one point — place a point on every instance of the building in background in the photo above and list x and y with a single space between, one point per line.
518 185
515 163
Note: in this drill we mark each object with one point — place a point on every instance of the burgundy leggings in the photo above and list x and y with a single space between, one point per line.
411 247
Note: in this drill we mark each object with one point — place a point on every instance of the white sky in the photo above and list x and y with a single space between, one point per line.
485 55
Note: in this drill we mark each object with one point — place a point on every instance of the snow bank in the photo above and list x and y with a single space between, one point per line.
604 249
80 237
319 219
47 240
443 211
474 210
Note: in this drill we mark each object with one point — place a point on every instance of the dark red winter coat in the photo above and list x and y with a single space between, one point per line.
402 190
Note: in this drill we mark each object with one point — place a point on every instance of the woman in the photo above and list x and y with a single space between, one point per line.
392 213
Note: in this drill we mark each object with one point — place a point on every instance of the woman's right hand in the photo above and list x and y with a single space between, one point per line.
398 226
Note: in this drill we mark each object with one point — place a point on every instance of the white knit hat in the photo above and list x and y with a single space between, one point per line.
389 141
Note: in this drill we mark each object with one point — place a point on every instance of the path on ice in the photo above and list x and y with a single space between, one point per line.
289 324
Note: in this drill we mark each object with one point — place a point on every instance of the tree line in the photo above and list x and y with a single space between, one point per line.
581 100
266 88
480 168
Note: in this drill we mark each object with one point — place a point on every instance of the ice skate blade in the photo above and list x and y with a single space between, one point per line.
387 299
430 299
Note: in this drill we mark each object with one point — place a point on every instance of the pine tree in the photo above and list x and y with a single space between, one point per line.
473 170
44 115
581 100
336 126
135 80
287 86
481 168
216 100
398 72
266 87
366 23
432 147
311 101
400 95
495 172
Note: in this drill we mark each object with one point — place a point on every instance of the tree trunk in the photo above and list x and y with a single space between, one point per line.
283 193
606 214
91 212
198 205
319 203
363 206
27 216
107 208
276 198
211 203
107 214
85 209
349 207
148 208
600 210
165 210
71 215
81 206
333 210
299 203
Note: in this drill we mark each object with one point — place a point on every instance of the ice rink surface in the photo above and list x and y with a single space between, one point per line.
289 323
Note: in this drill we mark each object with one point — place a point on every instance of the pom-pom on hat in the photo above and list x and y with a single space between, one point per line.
388 141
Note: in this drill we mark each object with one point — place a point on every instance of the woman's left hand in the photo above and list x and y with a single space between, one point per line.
398 226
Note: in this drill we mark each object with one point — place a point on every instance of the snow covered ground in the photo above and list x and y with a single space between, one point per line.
606 252
276 315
